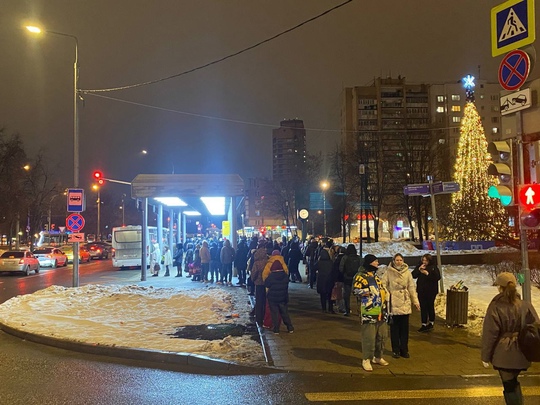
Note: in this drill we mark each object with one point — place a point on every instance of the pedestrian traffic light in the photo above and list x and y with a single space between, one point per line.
529 202
99 177
501 153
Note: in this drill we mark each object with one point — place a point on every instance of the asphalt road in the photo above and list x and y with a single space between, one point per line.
34 374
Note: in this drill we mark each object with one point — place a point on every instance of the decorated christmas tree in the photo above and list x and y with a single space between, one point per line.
474 215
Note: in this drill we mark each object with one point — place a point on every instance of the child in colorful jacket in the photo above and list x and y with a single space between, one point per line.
371 297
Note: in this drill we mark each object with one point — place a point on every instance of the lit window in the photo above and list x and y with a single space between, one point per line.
456 119
495 108
456 97
495 130
440 99
440 109
456 108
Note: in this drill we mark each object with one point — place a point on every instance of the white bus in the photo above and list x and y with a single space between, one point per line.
127 244
52 238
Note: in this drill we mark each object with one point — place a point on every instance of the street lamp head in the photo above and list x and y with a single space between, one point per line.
324 185
33 29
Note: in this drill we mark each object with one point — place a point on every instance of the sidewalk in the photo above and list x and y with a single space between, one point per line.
330 343
321 342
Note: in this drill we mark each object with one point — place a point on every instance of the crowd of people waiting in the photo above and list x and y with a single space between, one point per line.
266 268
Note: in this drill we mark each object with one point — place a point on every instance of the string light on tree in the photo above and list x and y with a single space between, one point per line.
474 216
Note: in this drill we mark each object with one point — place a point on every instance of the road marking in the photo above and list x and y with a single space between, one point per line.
476 392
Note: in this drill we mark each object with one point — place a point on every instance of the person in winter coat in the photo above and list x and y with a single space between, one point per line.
371 298
167 261
214 262
294 255
227 257
349 266
427 286
276 280
310 258
240 261
155 259
502 324
324 278
337 278
400 285
259 262
205 261
252 249
178 258
188 260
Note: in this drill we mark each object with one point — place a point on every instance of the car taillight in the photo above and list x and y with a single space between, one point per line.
21 261
49 256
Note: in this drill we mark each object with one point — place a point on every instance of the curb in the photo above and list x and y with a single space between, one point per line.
145 355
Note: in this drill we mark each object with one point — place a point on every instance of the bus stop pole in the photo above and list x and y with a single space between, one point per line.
145 248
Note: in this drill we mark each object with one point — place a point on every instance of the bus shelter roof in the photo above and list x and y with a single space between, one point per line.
187 185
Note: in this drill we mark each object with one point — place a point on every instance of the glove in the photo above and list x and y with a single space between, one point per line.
486 365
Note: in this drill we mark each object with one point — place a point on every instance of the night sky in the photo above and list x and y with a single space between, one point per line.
233 105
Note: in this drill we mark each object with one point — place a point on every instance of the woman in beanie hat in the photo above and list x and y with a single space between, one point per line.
502 324
427 285
371 297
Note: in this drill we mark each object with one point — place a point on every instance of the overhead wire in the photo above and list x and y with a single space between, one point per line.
131 86
259 124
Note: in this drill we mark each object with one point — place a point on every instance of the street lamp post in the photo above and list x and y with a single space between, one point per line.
324 186
37 30
97 188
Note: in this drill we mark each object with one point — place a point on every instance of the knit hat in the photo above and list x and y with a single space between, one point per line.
275 252
504 278
368 259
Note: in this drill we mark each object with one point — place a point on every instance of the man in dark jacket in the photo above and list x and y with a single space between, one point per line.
349 265
277 284
240 261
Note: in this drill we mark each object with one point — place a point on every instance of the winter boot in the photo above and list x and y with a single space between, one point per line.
513 397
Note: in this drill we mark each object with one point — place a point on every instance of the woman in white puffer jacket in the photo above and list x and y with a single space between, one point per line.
399 282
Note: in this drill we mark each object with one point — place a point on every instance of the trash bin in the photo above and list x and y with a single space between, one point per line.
457 304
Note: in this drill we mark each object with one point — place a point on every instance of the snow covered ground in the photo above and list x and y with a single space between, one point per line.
145 317
136 317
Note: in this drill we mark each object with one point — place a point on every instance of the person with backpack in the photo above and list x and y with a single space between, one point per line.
500 334
371 297
349 266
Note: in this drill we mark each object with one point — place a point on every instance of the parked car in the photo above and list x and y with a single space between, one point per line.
23 261
99 250
84 254
51 257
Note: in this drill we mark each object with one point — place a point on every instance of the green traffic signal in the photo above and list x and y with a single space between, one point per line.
502 193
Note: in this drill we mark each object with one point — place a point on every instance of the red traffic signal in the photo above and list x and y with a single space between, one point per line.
99 177
529 195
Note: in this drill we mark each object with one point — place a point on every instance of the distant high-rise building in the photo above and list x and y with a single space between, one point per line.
288 148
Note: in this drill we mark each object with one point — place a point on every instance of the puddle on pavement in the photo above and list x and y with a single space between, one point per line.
215 331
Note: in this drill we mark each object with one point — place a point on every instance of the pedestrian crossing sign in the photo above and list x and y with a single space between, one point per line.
512 26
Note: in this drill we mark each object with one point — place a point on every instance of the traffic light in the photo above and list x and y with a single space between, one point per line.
501 152
529 201
99 177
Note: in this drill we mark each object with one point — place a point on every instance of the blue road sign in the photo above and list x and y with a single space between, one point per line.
416 189
512 26
75 222
514 70
75 200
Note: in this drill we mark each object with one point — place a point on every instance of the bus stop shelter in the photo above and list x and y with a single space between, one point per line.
186 194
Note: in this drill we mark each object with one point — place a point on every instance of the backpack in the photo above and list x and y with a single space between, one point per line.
529 338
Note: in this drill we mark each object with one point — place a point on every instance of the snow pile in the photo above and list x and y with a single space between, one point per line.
389 249
134 316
